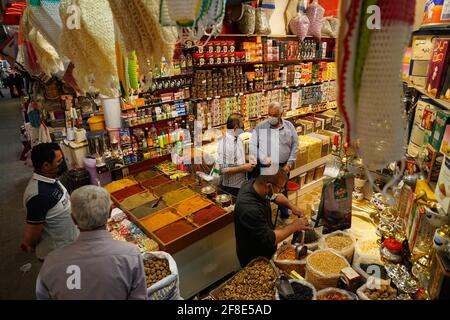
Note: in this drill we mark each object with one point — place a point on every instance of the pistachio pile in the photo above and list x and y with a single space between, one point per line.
155 270
254 282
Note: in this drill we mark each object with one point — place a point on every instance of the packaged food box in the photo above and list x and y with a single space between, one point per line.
325 143
445 145
438 66
439 125
307 125
443 185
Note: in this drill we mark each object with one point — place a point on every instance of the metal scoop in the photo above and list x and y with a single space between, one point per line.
301 250
284 287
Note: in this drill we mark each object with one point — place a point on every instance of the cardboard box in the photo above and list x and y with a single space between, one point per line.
445 145
445 92
443 185
437 69
440 123
431 163
422 47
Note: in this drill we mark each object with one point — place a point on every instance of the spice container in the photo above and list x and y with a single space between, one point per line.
309 176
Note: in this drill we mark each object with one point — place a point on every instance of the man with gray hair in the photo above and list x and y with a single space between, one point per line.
95 266
274 145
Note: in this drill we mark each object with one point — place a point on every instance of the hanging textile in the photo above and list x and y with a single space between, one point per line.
138 23
46 55
44 16
91 48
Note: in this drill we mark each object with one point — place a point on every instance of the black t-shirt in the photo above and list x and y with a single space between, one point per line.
253 226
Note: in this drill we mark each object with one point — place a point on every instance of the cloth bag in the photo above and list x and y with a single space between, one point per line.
167 288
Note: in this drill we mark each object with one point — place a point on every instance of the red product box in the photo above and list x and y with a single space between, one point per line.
438 66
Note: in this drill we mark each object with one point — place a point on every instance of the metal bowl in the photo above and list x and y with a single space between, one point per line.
224 199
208 190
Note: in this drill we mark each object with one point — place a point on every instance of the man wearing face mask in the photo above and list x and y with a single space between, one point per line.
49 222
279 136
254 229
231 156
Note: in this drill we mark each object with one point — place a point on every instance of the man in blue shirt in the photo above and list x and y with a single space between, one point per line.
274 145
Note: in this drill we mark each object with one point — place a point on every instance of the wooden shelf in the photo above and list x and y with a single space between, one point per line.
309 166
158 104
443 103
224 65
290 36
307 188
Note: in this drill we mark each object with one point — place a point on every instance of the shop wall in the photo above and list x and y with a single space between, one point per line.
278 23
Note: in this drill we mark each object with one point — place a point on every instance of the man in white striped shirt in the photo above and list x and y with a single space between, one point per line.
231 156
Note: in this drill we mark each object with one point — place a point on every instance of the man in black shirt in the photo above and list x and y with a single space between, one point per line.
254 230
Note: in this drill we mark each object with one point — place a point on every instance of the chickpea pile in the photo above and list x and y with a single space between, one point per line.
155 270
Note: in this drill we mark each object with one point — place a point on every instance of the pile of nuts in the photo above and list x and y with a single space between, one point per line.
384 292
338 242
254 282
156 270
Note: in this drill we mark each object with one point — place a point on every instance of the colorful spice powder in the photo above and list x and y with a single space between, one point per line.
174 231
119 184
127 192
160 219
167 187
208 214
137 200
192 205
288 254
154 182
173 197
188 180
147 209
145 175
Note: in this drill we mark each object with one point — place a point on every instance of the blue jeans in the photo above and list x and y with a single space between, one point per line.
284 213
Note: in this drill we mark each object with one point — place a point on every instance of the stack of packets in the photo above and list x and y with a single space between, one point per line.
123 229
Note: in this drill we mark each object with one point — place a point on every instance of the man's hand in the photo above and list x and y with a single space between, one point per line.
297 211
248 167
252 159
301 224
287 168
26 247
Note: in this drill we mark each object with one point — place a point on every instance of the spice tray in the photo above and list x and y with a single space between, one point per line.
189 238
214 294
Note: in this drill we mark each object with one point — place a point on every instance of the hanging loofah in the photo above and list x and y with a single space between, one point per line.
380 127
138 23
91 48
132 72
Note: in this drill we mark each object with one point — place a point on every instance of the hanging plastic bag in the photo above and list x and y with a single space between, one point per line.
248 20
167 288
335 210
299 25
326 28
262 25
315 14
268 7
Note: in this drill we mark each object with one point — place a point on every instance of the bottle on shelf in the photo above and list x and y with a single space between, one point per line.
163 134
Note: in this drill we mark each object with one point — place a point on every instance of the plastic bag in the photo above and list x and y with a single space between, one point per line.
262 25
305 283
366 256
319 279
335 210
350 295
330 27
299 25
167 288
347 252
315 14
247 23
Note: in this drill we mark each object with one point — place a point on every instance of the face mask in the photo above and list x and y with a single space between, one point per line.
272 197
273 121
62 167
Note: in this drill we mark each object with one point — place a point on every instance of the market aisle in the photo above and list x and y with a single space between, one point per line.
13 179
